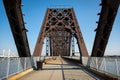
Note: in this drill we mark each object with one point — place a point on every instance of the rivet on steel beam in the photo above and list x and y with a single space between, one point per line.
24 29
23 14
95 29
100 4
97 22
98 13
25 23
21 5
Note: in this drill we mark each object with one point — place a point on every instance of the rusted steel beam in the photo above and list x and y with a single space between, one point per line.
105 24
41 37
17 25
59 26
79 37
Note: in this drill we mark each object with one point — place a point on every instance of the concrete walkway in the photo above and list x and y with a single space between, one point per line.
59 69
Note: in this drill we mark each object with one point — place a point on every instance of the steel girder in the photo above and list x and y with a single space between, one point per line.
59 26
103 30
17 25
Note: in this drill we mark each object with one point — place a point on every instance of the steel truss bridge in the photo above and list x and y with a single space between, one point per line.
60 27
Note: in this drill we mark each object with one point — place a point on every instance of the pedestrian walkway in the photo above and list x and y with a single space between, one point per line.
59 69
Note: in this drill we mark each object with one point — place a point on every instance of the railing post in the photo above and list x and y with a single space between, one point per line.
96 59
117 70
91 59
25 64
93 63
83 61
88 61
8 65
105 65
18 64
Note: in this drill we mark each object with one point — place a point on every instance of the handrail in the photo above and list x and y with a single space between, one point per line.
106 65
13 65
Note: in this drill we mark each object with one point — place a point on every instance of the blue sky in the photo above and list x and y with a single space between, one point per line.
34 10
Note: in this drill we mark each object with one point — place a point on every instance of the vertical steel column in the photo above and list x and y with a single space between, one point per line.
73 47
47 46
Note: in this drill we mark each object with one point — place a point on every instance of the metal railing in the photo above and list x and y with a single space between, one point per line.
106 65
72 57
12 65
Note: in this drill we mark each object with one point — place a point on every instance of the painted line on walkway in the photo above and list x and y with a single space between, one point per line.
19 75
62 69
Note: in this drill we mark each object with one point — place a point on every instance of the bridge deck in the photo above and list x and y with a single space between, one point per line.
60 69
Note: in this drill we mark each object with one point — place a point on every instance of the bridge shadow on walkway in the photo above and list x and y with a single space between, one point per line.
60 69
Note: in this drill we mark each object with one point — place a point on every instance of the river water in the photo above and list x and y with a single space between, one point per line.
15 64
